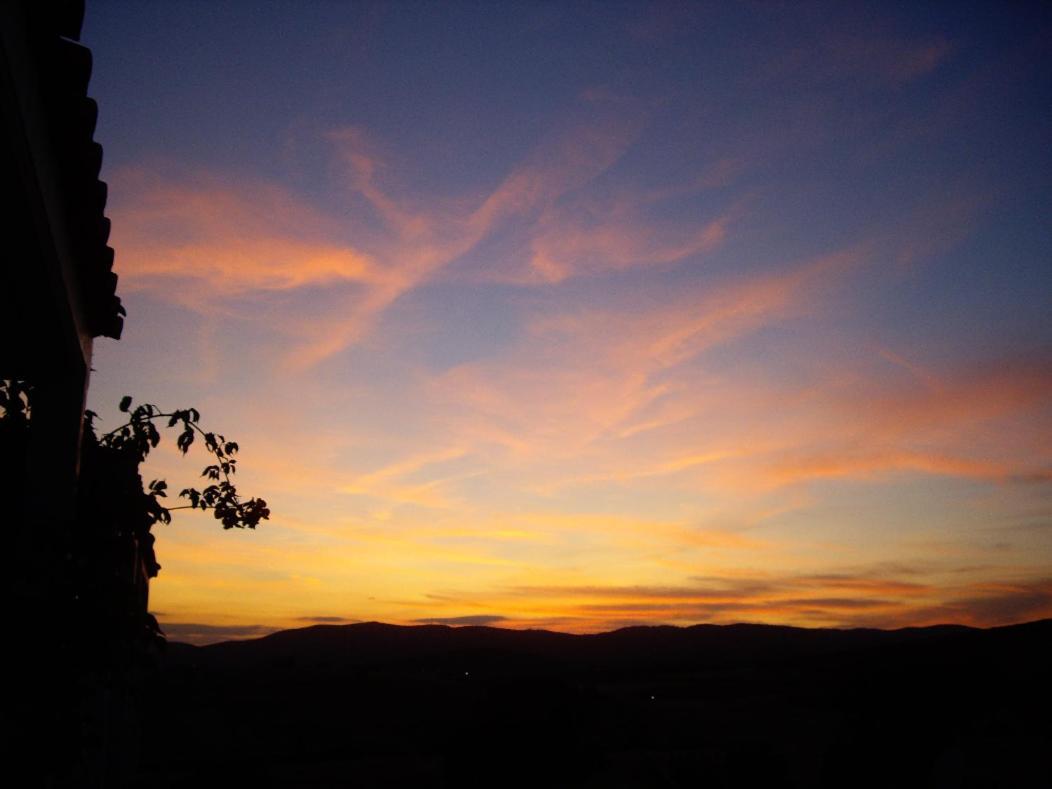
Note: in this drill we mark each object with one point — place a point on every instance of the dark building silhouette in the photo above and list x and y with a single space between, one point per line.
59 288
57 295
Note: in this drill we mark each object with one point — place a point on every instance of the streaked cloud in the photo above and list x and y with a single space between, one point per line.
480 620
869 601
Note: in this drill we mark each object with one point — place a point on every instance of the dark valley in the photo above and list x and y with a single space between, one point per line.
367 705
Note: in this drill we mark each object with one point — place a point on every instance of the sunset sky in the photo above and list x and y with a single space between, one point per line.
583 315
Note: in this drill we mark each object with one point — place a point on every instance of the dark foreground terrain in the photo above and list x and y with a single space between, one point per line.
372 705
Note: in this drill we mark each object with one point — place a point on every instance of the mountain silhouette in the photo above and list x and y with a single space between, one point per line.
371 704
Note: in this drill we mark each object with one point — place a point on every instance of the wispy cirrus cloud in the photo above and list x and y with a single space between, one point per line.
964 422
203 240
880 58
576 377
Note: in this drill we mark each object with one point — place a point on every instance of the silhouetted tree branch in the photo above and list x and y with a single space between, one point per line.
139 435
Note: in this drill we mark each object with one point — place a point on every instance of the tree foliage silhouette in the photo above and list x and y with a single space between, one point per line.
136 437
116 511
